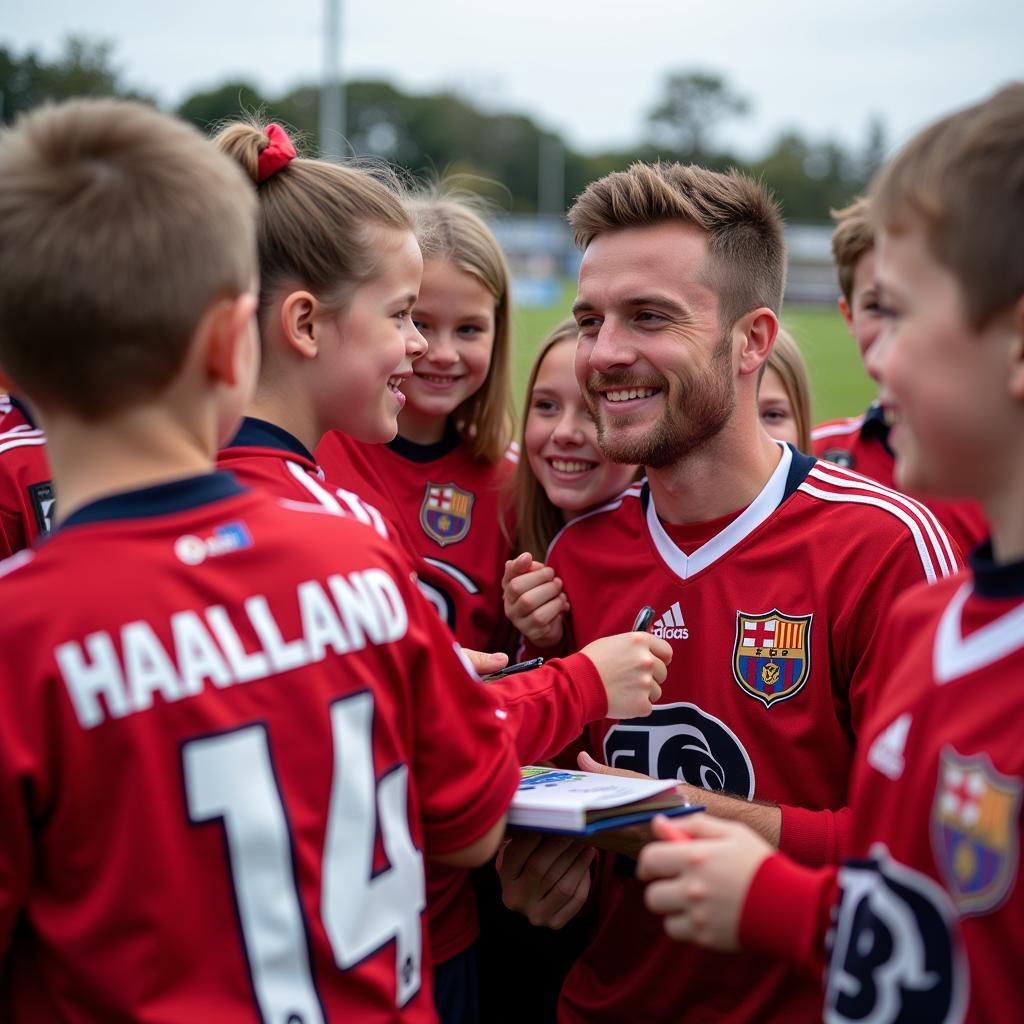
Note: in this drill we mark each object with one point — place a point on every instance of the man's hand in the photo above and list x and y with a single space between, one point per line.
700 875
632 667
534 600
547 878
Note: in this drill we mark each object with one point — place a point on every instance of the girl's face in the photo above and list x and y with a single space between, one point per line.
367 350
775 408
561 440
455 314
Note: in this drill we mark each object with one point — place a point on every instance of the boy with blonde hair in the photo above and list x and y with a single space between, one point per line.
926 920
228 724
862 442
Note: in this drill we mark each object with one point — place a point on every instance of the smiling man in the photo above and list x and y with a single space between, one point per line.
774 570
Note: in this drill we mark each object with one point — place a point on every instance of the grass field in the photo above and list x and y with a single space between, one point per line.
838 383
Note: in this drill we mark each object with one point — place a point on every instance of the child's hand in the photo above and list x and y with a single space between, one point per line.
701 876
632 667
534 601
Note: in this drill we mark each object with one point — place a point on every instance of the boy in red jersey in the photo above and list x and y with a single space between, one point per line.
926 921
862 442
770 573
227 727
26 490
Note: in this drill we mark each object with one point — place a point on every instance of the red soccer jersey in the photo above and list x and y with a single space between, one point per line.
773 625
220 756
448 507
930 923
862 443
26 490
545 709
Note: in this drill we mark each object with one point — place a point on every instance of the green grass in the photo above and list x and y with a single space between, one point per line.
839 385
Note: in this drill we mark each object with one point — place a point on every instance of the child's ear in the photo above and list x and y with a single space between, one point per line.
1016 367
231 336
844 308
299 312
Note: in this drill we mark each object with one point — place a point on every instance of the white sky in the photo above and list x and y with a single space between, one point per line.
587 68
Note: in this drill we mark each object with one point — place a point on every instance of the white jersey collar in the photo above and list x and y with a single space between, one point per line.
685 566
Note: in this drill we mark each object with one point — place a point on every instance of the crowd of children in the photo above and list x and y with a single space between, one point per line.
266 527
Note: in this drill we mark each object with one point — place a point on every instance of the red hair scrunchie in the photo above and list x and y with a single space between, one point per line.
278 153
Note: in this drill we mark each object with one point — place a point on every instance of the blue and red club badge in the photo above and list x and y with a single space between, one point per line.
446 513
974 830
772 656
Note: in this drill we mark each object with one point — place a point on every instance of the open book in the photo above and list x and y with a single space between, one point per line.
581 803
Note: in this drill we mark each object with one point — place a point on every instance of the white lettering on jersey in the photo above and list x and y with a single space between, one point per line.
364 607
886 753
671 625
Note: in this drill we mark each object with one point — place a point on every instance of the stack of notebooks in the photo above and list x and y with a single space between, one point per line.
582 803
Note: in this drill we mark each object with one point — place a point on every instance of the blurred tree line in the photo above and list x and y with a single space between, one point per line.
443 134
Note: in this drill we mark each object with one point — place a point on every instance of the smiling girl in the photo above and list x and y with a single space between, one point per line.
441 478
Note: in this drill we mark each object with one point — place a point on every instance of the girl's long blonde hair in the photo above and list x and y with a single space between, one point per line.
537 519
449 231
787 361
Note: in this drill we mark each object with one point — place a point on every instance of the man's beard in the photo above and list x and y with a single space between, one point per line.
696 417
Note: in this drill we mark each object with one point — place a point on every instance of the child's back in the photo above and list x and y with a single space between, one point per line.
201 747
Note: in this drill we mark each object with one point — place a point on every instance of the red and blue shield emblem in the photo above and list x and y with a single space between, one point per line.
446 513
772 657
974 830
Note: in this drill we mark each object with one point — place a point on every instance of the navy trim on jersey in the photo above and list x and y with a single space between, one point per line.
798 470
256 433
159 500
22 407
992 579
799 466
874 426
421 453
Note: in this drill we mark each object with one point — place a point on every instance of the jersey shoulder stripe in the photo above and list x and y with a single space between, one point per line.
16 561
512 452
930 540
834 428
844 477
21 441
633 491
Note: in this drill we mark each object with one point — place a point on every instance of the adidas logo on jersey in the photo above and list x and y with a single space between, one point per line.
671 626
886 753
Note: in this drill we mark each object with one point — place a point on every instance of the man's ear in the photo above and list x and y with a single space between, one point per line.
229 332
299 312
6 384
759 329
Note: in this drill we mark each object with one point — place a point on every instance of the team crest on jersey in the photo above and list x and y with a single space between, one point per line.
974 830
446 513
772 656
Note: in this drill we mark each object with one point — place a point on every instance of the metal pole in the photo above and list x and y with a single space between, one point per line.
332 90
551 176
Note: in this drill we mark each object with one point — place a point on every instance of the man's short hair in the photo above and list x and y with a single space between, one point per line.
854 235
746 250
119 226
962 181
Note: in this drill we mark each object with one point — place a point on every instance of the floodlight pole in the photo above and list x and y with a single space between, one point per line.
551 176
332 89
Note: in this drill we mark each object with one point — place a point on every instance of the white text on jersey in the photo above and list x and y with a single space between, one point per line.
341 616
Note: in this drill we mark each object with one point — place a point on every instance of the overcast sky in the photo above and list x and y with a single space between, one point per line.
587 68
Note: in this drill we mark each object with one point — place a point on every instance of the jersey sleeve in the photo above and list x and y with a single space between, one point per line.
463 762
823 836
787 912
17 782
548 707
